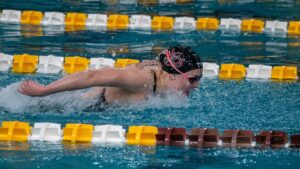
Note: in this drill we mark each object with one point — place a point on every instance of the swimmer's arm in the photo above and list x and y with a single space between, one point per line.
74 81
123 78
128 79
131 79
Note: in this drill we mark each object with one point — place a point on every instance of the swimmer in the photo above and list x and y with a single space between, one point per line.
178 68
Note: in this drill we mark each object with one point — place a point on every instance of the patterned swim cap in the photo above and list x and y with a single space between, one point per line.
183 58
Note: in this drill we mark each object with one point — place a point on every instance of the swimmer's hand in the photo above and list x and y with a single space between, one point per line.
31 88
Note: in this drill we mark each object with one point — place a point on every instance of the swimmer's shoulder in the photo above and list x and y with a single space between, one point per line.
149 68
147 65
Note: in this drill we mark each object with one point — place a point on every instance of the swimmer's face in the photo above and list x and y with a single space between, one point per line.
186 83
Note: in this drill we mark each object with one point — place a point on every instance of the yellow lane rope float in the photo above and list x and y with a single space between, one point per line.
81 21
26 63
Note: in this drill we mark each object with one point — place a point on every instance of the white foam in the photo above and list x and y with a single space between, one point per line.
13 101
169 99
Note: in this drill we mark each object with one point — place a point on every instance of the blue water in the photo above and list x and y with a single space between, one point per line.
254 105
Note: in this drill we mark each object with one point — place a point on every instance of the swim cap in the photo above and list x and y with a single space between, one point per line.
182 58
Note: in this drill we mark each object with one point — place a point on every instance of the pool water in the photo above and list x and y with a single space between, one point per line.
246 104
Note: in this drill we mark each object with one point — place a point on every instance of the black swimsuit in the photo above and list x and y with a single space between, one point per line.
102 100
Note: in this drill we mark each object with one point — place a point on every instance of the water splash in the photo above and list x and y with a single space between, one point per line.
13 101
169 99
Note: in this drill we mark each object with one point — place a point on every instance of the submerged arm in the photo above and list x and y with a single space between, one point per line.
129 79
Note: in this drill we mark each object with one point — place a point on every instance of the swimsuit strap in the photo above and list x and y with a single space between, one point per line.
155 81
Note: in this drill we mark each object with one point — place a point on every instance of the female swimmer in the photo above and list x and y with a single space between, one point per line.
177 68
